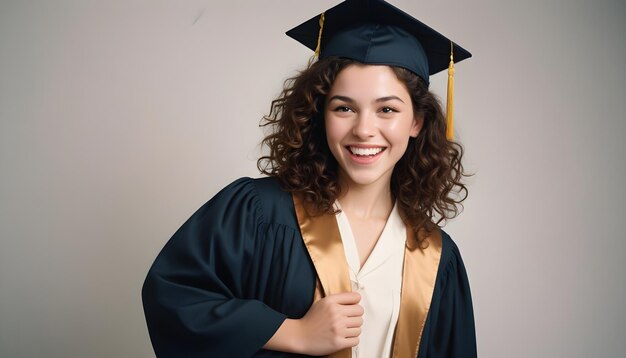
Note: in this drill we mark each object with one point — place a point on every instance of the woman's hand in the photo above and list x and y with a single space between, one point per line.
331 324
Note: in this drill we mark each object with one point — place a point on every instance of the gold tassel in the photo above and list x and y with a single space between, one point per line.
450 104
319 36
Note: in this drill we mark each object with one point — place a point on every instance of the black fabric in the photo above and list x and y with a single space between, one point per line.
376 44
226 280
449 329
374 32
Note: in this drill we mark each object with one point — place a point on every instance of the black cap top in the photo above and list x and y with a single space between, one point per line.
376 32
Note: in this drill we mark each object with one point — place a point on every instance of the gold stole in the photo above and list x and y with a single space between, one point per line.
323 241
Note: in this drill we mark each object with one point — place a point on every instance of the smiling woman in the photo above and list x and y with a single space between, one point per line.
426 173
338 251
369 120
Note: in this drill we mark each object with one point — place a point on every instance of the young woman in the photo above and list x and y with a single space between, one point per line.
338 251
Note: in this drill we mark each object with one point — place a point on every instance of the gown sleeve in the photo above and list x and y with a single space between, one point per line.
449 331
195 296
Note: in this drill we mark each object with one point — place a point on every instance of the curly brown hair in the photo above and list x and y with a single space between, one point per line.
426 181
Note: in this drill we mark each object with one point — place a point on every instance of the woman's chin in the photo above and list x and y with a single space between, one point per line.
365 179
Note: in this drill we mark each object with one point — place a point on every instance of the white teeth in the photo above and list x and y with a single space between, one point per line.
365 151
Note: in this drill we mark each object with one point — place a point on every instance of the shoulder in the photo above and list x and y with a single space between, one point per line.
264 196
448 245
237 194
262 189
269 190
276 203
450 255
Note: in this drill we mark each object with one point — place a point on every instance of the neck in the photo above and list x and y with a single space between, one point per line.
367 201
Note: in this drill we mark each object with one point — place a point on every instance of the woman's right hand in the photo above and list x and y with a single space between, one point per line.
331 324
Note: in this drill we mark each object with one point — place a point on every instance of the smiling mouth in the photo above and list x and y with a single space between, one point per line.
365 152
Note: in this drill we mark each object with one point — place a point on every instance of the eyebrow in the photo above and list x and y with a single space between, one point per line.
389 98
378 100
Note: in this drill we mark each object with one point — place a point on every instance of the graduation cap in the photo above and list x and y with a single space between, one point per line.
376 32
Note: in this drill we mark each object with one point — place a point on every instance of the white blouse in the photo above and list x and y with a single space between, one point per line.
379 282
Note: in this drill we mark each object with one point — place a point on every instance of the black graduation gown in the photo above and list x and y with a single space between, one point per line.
227 279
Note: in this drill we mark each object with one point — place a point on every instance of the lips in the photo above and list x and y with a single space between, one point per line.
365 151
362 155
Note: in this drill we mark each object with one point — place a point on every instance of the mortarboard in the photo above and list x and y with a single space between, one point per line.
375 32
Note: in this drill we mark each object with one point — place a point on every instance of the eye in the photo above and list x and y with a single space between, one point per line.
388 110
343 109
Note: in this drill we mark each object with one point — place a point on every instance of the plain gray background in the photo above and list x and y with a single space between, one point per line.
118 119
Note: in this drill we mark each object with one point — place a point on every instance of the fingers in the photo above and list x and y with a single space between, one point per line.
354 322
352 332
351 342
333 323
346 298
353 311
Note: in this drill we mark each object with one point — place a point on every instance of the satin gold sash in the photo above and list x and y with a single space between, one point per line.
323 241
418 283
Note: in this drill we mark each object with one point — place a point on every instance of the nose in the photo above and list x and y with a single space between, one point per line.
364 126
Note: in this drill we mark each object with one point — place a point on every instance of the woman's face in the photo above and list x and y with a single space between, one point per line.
369 120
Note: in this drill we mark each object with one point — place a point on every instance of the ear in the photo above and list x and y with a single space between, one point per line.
416 127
